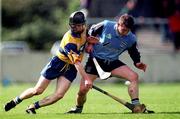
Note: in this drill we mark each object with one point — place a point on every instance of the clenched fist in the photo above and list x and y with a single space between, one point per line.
89 48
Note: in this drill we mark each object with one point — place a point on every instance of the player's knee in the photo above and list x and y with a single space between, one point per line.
82 92
38 91
134 77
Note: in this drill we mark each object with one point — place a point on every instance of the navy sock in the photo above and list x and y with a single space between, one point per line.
79 106
36 105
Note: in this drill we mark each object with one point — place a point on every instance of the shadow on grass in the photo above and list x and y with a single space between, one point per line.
116 113
167 113
104 113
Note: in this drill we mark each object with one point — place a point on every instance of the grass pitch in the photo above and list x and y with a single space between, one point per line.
164 99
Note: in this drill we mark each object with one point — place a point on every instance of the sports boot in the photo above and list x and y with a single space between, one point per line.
9 105
141 108
75 110
31 110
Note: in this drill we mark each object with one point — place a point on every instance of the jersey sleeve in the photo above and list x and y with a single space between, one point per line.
72 53
96 29
134 53
69 49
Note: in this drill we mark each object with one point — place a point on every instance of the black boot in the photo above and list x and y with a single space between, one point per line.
9 105
77 109
31 110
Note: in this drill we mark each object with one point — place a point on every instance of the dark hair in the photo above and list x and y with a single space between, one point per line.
77 18
127 20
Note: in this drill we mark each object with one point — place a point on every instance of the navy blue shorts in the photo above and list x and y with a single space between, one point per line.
107 66
56 68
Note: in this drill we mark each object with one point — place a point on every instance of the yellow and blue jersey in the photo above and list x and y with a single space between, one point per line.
70 51
71 48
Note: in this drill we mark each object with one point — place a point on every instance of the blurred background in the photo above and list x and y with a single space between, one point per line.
32 29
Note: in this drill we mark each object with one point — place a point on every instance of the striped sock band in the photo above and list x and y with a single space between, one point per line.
17 100
135 101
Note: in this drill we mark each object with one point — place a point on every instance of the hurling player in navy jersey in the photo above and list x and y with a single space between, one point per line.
113 38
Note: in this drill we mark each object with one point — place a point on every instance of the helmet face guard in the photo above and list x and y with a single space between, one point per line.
77 20
77 28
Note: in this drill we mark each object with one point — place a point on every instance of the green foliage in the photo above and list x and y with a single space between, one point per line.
39 22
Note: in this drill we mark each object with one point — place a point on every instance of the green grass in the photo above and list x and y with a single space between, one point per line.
164 99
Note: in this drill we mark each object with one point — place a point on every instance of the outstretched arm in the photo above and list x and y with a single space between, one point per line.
80 69
71 51
135 56
134 53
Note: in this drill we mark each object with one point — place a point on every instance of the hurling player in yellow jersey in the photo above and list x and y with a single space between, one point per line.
63 67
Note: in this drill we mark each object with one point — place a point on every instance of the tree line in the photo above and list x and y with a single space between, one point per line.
38 22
